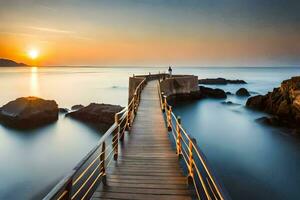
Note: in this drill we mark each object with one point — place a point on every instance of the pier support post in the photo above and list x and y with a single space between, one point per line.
178 139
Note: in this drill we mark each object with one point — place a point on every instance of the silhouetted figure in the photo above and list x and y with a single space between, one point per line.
170 71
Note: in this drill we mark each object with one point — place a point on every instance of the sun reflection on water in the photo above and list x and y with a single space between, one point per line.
34 83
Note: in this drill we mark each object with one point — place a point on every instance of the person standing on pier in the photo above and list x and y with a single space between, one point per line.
170 71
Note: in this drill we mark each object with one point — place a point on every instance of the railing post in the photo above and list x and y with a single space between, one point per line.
178 140
69 189
128 119
169 118
190 166
115 142
163 101
102 163
135 103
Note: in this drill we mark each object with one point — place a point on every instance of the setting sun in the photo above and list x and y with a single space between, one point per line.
33 54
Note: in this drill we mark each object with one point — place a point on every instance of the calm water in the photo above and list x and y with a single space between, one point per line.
252 161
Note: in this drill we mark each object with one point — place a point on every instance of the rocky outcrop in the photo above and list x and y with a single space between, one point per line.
10 63
282 102
28 112
242 92
77 107
220 81
100 115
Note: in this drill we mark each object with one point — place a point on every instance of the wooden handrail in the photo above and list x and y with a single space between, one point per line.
84 177
198 172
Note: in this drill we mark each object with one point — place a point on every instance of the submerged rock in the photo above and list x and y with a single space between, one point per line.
100 115
242 92
282 102
28 112
77 107
220 81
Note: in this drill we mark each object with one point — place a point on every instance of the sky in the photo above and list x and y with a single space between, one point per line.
151 32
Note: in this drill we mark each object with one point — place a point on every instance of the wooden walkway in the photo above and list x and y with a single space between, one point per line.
147 168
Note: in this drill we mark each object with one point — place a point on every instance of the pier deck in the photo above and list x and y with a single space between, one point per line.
147 168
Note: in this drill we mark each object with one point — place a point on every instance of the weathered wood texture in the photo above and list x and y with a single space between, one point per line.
147 167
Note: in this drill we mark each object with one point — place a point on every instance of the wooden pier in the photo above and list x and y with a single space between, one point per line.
145 154
148 168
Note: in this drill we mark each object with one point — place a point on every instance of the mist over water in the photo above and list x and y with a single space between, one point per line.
252 161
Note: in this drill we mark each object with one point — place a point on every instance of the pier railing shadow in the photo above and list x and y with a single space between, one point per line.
82 181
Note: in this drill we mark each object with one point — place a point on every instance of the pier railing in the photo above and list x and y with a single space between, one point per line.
198 172
81 182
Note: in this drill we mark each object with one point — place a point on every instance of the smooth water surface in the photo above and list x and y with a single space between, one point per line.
33 161
251 160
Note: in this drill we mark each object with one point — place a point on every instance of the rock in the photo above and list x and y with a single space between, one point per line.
271 121
219 81
99 115
283 102
242 92
63 110
230 103
203 92
212 93
228 93
77 107
28 112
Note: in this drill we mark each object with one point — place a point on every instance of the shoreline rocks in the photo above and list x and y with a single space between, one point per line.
283 103
220 81
29 112
100 115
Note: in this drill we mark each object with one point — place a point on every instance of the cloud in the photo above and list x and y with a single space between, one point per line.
51 30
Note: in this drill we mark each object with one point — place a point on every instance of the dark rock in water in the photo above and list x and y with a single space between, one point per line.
282 102
77 107
100 115
228 93
242 92
219 81
212 93
203 92
63 110
28 112
271 121
229 103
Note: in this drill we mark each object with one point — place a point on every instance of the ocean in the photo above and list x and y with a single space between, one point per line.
252 161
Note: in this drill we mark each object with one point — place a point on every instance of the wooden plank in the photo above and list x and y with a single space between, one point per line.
116 195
